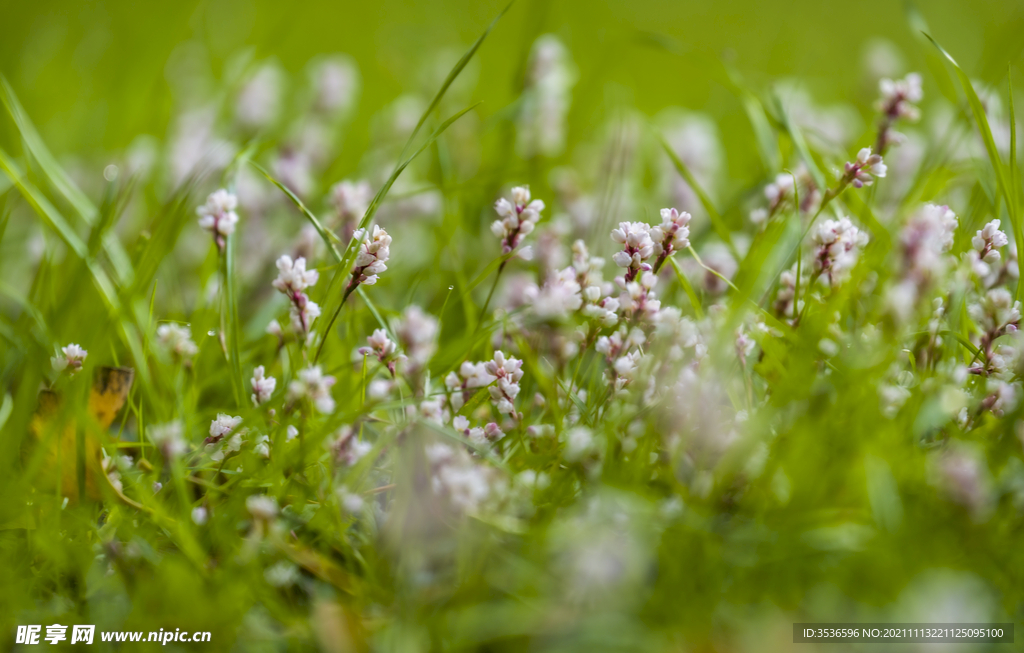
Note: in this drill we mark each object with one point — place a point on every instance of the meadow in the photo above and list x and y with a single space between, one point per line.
529 329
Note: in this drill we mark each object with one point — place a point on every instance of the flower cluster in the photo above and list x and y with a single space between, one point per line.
177 340
517 218
262 386
864 170
70 359
637 248
374 251
313 385
507 373
218 215
293 279
383 349
836 246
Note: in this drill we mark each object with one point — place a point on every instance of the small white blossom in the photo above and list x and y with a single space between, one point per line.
374 251
865 169
223 425
507 372
262 386
899 96
517 218
837 244
167 438
672 235
199 515
70 359
177 340
351 199
559 296
218 215
637 247
347 448
261 506
314 385
417 331
383 349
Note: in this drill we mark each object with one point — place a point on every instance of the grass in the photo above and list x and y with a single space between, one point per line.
692 464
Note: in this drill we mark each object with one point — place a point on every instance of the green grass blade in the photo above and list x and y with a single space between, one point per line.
981 120
61 181
688 288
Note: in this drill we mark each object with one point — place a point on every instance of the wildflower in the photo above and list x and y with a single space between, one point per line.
262 386
261 506
383 348
986 245
374 251
545 103
507 372
961 474
261 446
1002 397
638 247
517 218
168 439
638 300
836 244
559 296
218 215
469 377
864 170
466 484
258 103
417 331
177 339
897 102
622 363
347 448
671 235
70 359
199 515
351 503
292 280
479 436
351 199
222 426
579 443
997 312
603 310
314 385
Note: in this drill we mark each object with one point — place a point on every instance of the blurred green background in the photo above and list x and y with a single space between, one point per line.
94 75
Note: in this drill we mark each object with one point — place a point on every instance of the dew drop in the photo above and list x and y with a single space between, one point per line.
211 332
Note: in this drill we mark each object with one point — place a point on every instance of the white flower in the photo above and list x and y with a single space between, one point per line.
579 443
167 438
351 503
314 385
347 448
177 339
637 247
996 311
559 296
70 359
199 515
374 251
837 243
672 234
351 199
223 425
303 313
293 277
899 95
516 218
507 372
380 346
261 506
417 331
261 446
863 171
546 98
262 386
218 215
